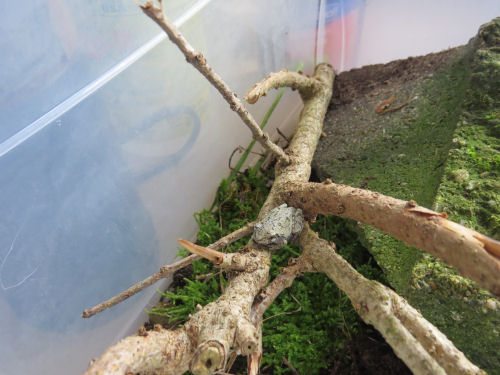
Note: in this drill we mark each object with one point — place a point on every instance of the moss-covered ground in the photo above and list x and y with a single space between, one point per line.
470 194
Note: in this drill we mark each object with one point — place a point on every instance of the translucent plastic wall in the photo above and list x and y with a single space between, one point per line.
109 142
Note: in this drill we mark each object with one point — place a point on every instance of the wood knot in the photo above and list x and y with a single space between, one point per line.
142 332
340 209
411 203
328 181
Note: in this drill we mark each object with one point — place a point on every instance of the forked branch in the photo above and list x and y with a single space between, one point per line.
233 323
423 348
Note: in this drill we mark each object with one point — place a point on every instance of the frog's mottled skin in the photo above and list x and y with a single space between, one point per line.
280 226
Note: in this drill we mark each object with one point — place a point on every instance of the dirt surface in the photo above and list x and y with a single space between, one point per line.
389 129
352 121
369 354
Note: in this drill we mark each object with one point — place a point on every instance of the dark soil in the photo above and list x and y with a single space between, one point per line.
377 80
368 354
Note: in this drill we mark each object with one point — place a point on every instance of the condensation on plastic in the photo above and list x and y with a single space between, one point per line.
109 142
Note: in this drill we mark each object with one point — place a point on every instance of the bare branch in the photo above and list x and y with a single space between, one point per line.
305 139
473 254
225 325
166 271
167 352
281 282
197 59
307 86
417 342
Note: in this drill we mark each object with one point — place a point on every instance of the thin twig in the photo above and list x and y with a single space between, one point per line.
283 135
240 149
166 271
284 280
289 365
286 312
199 62
307 86
207 275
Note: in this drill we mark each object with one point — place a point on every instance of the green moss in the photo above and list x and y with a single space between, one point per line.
237 202
471 326
310 322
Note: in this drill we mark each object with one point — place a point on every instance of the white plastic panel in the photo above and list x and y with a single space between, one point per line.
51 49
396 29
109 142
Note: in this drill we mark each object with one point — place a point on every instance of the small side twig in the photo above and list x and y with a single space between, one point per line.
289 365
286 312
283 136
240 149
284 280
207 276
384 107
155 12
166 271
307 86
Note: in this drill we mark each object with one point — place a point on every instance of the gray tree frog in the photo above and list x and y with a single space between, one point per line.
280 226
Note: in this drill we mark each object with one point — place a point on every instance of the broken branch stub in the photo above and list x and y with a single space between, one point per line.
166 271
